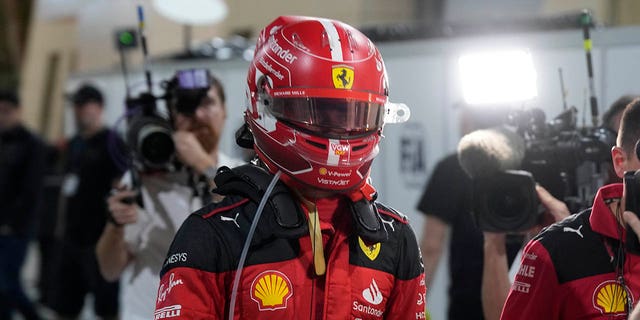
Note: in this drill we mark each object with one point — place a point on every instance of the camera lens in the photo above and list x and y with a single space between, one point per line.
155 145
507 203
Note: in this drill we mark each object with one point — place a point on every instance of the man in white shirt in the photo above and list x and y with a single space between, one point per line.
134 244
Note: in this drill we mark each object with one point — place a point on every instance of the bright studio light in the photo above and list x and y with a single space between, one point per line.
498 77
193 12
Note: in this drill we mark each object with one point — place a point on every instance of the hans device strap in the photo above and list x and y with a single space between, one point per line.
283 214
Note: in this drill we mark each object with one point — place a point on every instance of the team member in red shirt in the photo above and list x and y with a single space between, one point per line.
580 268
320 246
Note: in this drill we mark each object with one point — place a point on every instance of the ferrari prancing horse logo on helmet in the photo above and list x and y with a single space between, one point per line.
342 77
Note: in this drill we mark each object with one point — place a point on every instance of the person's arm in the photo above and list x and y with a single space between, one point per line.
555 210
495 275
442 202
433 241
111 249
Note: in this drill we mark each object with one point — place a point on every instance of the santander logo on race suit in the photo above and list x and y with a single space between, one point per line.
374 297
372 294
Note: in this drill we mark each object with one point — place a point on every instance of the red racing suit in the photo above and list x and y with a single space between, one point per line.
382 280
574 268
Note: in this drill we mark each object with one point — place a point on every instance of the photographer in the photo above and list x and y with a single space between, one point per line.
135 242
495 280
580 267
90 173
448 224
21 175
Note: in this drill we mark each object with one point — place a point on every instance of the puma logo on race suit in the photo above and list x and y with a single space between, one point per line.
390 223
235 220
576 231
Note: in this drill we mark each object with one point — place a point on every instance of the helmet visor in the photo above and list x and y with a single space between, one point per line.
329 116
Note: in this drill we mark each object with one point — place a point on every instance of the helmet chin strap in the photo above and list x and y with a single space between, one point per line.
367 191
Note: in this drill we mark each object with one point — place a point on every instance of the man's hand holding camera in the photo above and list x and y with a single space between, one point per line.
121 207
191 153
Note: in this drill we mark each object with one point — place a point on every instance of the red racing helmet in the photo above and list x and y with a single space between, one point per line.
317 101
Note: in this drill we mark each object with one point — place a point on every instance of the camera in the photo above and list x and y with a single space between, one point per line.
565 159
559 144
507 201
558 155
149 131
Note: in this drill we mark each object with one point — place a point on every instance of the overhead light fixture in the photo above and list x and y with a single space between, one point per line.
192 12
497 77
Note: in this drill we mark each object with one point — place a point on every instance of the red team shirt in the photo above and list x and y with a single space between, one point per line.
569 270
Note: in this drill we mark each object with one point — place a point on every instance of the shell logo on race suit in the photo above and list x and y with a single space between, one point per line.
271 290
610 297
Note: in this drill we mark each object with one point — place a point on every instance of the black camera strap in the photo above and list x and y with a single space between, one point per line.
617 252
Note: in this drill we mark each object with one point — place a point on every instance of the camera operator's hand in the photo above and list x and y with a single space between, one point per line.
190 151
556 208
119 208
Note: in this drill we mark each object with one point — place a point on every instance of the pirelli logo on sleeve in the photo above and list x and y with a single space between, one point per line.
525 272
168 312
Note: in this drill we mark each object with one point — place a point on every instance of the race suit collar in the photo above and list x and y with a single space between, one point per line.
330 209
602 220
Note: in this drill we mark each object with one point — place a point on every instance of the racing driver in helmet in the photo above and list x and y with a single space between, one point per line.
298 234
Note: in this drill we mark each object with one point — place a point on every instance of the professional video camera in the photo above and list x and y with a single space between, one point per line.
563 158
556 154
559 143
149 129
